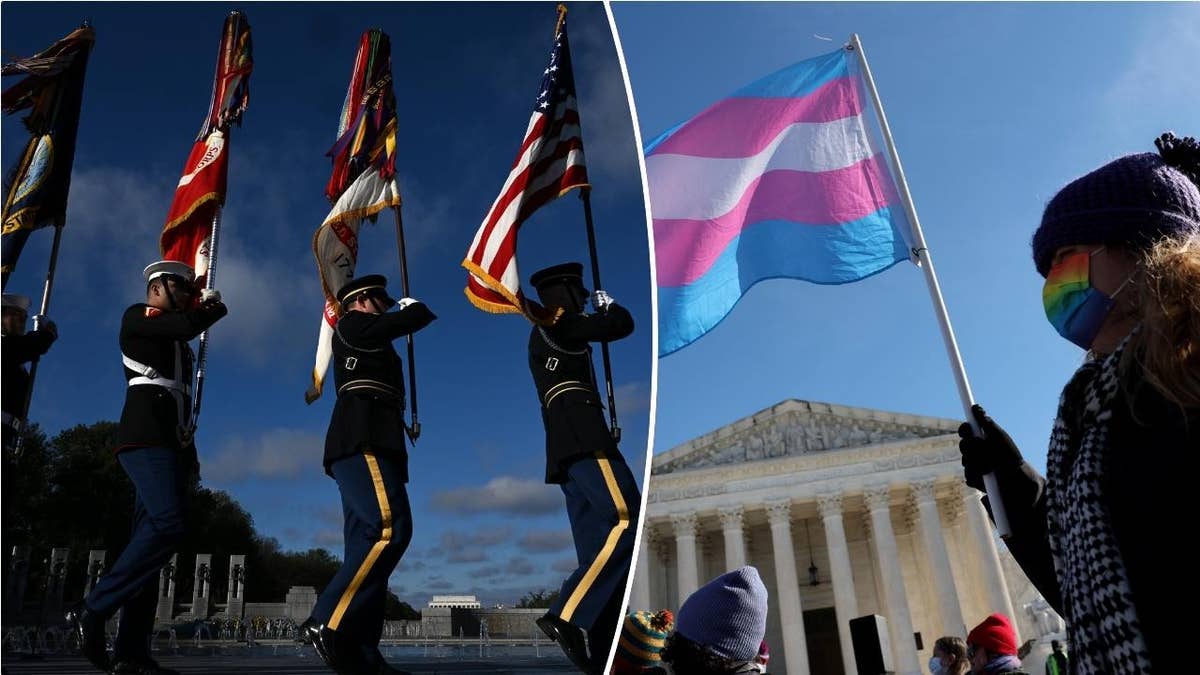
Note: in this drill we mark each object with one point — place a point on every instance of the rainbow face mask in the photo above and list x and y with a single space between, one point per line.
1073 306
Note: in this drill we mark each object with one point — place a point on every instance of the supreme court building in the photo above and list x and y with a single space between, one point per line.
845 512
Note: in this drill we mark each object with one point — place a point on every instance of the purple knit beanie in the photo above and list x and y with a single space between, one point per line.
1133 200
728 615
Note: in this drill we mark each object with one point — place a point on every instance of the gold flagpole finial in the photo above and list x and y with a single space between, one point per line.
562 16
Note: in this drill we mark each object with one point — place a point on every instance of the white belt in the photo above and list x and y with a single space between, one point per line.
152 376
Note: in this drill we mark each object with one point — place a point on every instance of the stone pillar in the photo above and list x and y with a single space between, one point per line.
900 629
685 555
95 569
639 597
302 599
56 577
235 595
166 590
845 603
791 615
18 578
201 585
735 540
939 558
993 574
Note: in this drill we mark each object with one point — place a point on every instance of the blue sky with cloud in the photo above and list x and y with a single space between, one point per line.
465 78
994 107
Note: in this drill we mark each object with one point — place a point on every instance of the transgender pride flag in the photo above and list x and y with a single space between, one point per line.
780 180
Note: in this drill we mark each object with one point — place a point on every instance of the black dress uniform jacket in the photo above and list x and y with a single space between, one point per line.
368 373
560 360
156 338
19 350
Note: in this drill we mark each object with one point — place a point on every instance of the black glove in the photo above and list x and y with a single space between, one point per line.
995 452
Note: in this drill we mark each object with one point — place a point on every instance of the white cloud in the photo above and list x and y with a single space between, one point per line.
632 398
1155 81
545 541
503 494
273 454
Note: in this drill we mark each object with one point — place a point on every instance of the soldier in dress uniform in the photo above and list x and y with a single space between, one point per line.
154 447
366 454
582 457
20 348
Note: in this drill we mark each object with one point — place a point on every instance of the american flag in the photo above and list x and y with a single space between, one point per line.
549 163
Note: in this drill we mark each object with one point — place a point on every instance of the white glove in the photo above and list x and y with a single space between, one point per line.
601 301
209 295
405 302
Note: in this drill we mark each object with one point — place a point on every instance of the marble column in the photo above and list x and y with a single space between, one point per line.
993 574
845 603
939 558
900 629
639 597
787 588
735 540
688 570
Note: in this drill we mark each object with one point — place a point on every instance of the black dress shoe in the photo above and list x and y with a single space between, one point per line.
89 629
343 654
570 639
140 666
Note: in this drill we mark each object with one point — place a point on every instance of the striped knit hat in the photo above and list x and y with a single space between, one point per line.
642 638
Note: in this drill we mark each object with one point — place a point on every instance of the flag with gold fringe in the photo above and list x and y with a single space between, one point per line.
549 164
362 184
35 192
201 190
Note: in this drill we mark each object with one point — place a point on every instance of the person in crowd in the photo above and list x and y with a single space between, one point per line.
949 656
720 627
992 647
639 648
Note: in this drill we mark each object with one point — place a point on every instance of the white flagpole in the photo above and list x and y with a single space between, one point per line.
921 251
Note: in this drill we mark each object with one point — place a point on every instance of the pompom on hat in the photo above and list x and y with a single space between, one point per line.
643 635
1133 201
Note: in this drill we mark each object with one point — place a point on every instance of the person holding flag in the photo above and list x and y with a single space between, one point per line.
1120 251
582 458
601 493
20 348
365 453
155 448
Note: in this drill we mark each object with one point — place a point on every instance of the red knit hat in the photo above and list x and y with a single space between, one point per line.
996 635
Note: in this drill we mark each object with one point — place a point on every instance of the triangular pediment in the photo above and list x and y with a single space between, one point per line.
796 427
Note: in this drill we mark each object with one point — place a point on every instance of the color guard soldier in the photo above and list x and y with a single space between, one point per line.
20 348
154 447
365 453
582 457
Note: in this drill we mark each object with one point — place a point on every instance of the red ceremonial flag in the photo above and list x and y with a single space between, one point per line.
548 165
201 190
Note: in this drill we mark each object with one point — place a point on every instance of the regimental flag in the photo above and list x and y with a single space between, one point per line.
362 184
201 189
783 179
35 193
549 163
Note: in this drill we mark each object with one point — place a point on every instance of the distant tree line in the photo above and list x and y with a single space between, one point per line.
69 491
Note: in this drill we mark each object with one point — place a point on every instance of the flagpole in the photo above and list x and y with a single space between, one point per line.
999 515
585 194
414 432
210 276
47 288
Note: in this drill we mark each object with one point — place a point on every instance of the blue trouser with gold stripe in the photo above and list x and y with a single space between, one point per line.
602 503
378 529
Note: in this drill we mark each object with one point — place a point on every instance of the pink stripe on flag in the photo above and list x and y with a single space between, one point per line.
684 249
741 127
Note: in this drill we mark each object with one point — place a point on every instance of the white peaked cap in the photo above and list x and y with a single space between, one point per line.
172 267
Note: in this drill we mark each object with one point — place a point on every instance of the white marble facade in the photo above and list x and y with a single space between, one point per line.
876 499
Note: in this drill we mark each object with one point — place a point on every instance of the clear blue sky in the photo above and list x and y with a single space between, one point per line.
465 76
994 107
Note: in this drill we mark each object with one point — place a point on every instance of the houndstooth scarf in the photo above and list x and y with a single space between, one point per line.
1102 623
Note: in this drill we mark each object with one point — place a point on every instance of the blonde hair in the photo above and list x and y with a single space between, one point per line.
1166 351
